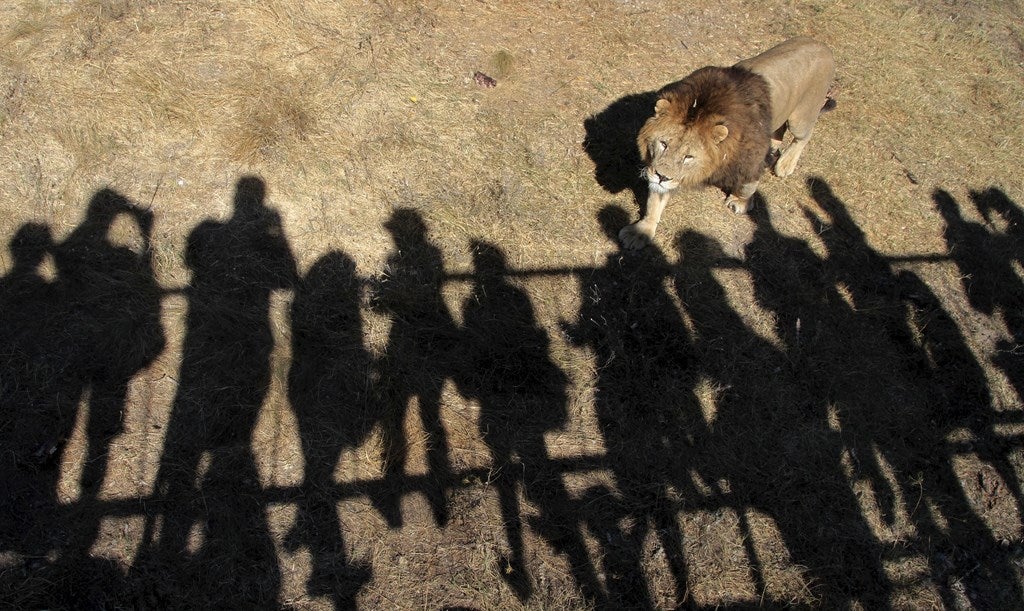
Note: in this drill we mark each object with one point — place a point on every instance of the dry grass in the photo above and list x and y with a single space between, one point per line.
416 372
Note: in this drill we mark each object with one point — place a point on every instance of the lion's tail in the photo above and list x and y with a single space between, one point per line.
830 98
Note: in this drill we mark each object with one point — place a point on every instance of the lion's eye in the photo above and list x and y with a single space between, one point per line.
687 158
662 145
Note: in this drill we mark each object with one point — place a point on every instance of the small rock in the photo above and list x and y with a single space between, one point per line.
483 80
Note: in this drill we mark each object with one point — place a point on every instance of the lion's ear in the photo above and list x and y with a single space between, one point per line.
719 133
661 106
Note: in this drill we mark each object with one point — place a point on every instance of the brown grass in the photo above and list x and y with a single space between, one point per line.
417 373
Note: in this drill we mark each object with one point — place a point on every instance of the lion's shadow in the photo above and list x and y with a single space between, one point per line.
610 142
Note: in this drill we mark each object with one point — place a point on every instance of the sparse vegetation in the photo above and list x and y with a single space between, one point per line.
298 314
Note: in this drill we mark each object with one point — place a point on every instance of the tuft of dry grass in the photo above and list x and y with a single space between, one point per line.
299 314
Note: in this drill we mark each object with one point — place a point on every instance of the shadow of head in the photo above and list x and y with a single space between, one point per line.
105 206
250 191
822 194
30 245
993 200
695 247
947 207
838 214
407 226
488 259
335 272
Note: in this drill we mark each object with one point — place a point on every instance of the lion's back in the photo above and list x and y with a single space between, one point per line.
799 72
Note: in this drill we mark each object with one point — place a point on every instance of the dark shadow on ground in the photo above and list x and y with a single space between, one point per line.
776 437
1007 244
336 409
926 353
40 385
116 306
225 375
72 341
646 410
522 395
869 386
840 417
610 142
870 381
418 359
985 255
42 353
117 300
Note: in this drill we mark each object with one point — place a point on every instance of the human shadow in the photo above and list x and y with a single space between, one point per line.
117 302
336 409
1007 248
213 547
928 354
967 555
994 204
522 395
738 454
40 387
115 305
902 305
611 143
76 342
817 384
770 447
418 359
646 410
984 256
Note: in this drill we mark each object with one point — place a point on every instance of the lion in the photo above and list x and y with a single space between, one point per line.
720 126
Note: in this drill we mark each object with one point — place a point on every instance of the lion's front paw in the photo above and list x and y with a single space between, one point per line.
638 235
738 205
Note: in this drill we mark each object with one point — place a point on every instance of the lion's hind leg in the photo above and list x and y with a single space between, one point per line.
776 144
801 125
777 137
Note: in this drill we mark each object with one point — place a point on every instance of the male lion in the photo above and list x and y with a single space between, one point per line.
718 126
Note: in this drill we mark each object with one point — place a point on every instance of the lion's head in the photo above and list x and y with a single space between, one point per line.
701 125
678 152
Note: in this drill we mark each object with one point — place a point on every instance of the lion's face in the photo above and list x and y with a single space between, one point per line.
677 151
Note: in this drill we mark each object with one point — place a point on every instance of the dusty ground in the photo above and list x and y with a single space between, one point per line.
299 312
